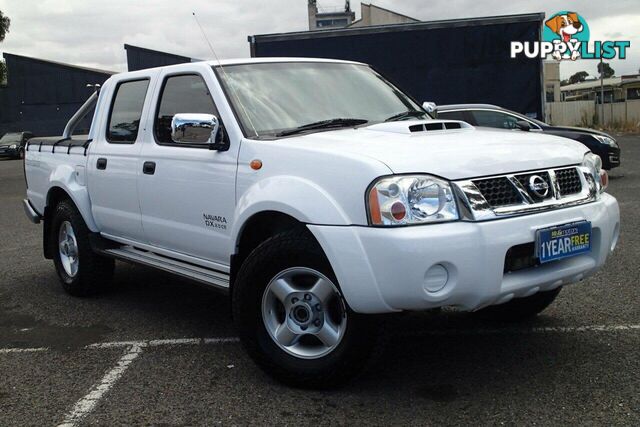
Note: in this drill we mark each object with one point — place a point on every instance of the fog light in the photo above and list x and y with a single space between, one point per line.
435 278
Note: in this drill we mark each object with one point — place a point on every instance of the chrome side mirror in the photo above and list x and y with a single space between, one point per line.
429 107
198 129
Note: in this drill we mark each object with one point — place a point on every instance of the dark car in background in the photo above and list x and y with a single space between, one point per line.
493 116
12 144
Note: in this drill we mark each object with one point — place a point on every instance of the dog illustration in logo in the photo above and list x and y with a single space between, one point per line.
566 26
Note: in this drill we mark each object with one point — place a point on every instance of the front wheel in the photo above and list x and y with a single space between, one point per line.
292 318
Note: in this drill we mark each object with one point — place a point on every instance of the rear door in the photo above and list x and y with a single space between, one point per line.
113 160
187 192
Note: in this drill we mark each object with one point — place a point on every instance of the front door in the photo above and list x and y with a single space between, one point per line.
187 192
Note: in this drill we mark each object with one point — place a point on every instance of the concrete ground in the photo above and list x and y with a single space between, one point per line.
160 350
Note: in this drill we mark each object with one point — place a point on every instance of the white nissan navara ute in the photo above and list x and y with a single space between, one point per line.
316 194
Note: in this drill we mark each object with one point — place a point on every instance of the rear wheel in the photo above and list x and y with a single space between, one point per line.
520 309
292 318
81 271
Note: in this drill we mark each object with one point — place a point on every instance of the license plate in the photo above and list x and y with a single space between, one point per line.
563 241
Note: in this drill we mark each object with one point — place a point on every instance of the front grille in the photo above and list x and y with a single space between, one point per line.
524 181
501 191
522 193
568 181
498 191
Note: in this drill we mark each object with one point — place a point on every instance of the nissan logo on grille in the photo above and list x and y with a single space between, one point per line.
538 186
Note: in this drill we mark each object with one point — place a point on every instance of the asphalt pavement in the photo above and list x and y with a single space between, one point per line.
161 350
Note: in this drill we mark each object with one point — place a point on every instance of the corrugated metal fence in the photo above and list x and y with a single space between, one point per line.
586 113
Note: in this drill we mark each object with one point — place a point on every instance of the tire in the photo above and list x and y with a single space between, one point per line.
520 309
20 154
92 273
295 256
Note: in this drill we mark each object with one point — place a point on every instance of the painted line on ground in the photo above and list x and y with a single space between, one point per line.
533 330
22 350
87 404
84 406
453 332
165 342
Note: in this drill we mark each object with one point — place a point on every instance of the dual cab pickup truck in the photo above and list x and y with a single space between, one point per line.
316 194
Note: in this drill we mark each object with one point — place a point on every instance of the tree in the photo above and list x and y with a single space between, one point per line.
605 70
578 77
4 25
3 73
4 29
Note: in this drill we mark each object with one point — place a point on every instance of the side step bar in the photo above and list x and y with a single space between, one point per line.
190 271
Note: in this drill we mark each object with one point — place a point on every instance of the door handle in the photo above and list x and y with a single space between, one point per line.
101 163
149 168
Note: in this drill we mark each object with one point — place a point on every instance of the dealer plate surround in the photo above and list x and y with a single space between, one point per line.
563 241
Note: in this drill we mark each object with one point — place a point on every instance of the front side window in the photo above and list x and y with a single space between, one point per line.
181 94
272 98
453 115
126 111
495 119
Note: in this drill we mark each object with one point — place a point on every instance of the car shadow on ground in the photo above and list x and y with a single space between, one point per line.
434 353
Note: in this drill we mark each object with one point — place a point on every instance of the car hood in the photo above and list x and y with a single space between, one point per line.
577 130
452 154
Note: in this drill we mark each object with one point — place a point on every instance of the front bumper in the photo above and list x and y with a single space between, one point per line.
8 152
384 270
611 159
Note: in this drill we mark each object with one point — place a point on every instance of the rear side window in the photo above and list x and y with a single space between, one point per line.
126 111
181 94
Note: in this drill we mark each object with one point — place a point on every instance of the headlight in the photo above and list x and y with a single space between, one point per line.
412 199
594 163
607 140
13 146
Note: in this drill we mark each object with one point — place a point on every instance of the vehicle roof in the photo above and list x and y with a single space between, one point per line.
468 107
238 61
229 62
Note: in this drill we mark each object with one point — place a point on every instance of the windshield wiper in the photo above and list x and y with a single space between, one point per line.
324 124
405 114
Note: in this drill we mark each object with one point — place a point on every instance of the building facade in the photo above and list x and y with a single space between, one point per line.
371 14
615 89
41 95
552 81
326 18
323 18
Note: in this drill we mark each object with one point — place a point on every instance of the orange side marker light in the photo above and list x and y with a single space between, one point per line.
255 164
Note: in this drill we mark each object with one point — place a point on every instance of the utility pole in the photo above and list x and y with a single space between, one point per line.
601 89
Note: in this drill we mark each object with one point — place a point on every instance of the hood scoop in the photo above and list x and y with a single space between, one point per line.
410 127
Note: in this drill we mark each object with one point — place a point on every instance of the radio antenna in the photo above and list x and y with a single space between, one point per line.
233 90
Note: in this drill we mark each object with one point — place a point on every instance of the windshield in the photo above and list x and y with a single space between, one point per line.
11 137
275 98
